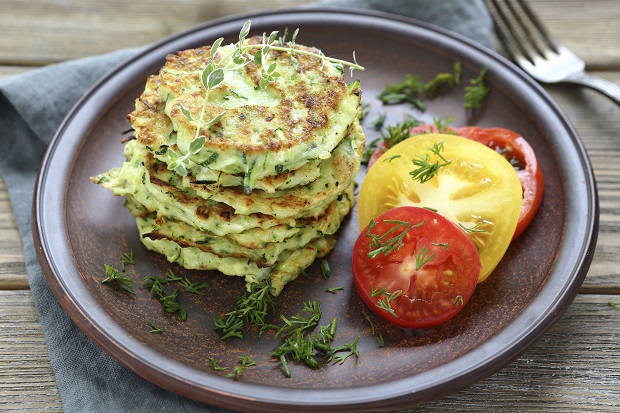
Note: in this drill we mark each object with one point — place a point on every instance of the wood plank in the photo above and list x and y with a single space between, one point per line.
566 371
36 33
592 31
597 120
27 383
12 267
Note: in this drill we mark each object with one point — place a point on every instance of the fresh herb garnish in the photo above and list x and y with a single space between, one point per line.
458 301
127 259
154 328
306 349
120 278
193 287
391 240
251 308
239 370
385 303
444 79
379 121
215 365
170 302
422 257
325 270
334 290
476 92
373 330
409 91
472 229
426 169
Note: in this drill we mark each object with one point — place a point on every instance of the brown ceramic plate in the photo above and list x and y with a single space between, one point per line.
80 226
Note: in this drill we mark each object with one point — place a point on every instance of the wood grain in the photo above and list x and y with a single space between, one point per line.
574 368
565 369
42 30
26 379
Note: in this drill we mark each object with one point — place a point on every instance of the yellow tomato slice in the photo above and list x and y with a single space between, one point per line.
476 188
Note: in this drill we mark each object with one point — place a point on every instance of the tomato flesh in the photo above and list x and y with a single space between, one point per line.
514 148
477 189
427 280
521 155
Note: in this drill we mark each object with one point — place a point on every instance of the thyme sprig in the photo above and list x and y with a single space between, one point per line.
213 75
426 169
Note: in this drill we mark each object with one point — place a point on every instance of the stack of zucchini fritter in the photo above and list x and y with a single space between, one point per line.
270 186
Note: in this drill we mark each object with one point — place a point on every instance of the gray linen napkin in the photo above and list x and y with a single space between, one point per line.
32 106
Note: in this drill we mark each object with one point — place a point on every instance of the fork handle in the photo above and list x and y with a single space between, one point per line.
602 85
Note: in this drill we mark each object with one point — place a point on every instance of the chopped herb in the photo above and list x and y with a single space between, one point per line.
154 329
391 240
214 364
472 229
325 270
349 348
308 317
439 244
127 259
422 257
379 121
373 330
334 290
409 91
391 158
614 305
444 79
385 303
155 285
476 92
458 301
239 370
251 308
426 170
120 278
190 287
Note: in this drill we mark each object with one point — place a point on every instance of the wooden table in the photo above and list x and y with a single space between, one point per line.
575 367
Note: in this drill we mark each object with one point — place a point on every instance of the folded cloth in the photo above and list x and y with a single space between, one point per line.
32 106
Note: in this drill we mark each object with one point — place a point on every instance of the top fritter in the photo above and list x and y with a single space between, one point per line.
251 129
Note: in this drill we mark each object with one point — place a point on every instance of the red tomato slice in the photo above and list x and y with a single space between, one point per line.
514 148
426 278
521 155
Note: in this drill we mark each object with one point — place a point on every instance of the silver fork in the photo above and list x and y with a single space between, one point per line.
529 44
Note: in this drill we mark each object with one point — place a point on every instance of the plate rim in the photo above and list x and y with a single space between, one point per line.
313 398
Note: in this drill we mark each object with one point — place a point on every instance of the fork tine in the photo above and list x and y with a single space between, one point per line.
520 31
539 26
